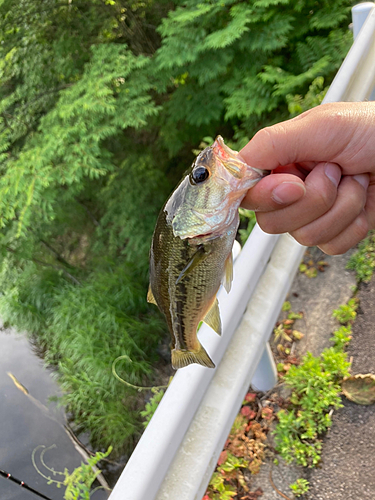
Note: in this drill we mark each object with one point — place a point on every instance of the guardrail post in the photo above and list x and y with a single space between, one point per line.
265 376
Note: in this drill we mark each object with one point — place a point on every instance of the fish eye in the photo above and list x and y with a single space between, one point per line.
199 174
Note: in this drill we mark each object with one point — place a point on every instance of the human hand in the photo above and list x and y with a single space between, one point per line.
323 190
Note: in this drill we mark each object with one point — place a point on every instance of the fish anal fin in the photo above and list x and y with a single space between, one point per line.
228 273
212 318
195 260
150 296
181 358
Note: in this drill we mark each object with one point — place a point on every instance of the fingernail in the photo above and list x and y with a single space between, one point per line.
333 172
288 192
363 179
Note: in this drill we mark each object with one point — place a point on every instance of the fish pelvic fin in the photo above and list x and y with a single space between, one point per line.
181 358
150 296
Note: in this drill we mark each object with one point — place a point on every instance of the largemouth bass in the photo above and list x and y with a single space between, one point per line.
191 251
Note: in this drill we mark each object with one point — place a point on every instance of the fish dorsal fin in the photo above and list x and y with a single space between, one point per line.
196 259
212 318
150 296
181 358
228 273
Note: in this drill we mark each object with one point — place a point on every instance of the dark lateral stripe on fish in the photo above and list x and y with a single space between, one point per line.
181 294
178 321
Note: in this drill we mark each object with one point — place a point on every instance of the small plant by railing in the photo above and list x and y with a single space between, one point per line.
243 452
151 406
363 261
77 484
316 390
300 487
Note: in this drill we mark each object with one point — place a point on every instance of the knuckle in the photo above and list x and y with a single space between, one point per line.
355 198
265 136
332 249
334 113
348 238
268 224
362 227
305 237
324 200
269 136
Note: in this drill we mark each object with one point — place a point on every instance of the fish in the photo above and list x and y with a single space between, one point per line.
191 249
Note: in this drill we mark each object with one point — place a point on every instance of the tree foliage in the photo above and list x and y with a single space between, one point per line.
102 103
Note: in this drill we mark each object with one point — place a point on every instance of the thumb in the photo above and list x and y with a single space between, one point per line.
274 192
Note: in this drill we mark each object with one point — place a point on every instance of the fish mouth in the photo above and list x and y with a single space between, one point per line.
202 235
202 238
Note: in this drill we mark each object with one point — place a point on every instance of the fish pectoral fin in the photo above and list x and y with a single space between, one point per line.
212 318
181 358
150 296
196 259
228 273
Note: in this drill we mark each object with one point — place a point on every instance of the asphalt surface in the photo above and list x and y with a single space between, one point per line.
30 424
348 460
347 469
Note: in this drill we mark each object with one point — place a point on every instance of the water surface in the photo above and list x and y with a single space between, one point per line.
29 422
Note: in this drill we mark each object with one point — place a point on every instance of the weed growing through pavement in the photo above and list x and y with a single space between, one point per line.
243 452
347 312
363 261
300 487
310 268
315 386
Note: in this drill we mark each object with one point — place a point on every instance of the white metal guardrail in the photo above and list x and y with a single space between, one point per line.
178 451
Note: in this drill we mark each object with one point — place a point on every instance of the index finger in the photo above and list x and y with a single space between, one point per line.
337 132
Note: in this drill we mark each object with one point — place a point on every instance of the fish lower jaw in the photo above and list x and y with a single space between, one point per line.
201 238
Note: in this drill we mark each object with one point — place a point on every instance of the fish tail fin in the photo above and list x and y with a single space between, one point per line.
181 358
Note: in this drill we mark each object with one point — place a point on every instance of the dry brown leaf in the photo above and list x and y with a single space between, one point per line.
360 388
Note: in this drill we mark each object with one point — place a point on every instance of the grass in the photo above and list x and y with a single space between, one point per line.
82 334
363 261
